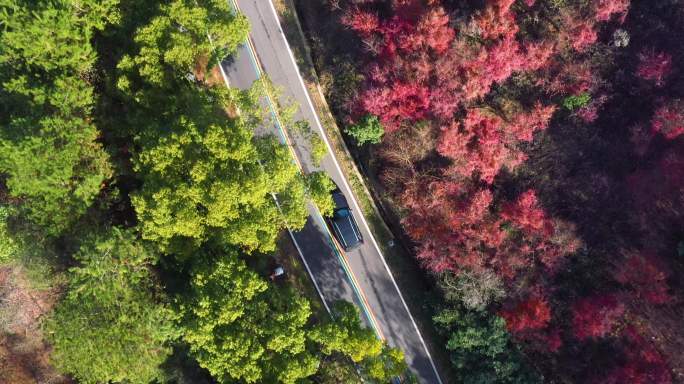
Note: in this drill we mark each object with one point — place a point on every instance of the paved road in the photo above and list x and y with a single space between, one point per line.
366 280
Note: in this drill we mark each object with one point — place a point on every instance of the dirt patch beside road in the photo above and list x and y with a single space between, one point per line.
24 354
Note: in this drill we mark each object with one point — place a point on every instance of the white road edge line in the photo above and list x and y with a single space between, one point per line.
344 180
289 231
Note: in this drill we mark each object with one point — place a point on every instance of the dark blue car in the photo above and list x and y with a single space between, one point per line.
343 224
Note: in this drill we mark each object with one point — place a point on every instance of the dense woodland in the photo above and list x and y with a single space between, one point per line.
133 189
534 153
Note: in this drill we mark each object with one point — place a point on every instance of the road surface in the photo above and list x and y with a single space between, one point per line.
360 276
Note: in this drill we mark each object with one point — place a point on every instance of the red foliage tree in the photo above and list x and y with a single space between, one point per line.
478 145
492 23
642 363
668 120
654 66
605 9
526 214
594 316
569 78
434 30
524 125
452 223
362 22
538 54
545 239
402 102
583 34
646 275
530 314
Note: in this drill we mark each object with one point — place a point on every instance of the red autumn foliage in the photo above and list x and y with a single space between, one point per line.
434 30
402 102
538 54
478 145
547 340
553 340
525 124
422 69
669 119
654 66
532 313
569 78
493 24
642 363
364 23
527 215
547 240
646 275
502 6
583 35
458 231
452 226
595 316
605 9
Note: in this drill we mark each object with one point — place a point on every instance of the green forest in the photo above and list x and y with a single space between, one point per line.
137 208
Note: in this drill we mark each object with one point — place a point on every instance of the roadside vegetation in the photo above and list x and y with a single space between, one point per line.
136 208
532 153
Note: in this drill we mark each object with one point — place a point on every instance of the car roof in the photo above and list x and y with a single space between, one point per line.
345 227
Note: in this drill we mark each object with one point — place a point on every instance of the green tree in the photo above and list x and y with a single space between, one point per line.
206 176
388 364
337 369
239 328
320 185
574 102
170 46
344 334
48 144
318 149
481 350
110 326
367 130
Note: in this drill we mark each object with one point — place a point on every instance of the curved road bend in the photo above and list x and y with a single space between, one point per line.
388 312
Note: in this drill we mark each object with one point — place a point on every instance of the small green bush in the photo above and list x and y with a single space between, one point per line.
367 130
574 102
318 149
8 246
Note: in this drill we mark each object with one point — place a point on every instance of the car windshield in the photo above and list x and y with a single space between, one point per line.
342 213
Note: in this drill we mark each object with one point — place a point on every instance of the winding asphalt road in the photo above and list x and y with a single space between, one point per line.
360 276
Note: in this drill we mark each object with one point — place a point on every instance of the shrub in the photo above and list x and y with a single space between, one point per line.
367 130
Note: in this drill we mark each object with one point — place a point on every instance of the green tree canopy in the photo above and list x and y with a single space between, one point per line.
367 130
204 173
170 46
239 328
206 176
48 144
320 185
344 334
110 326
481 350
